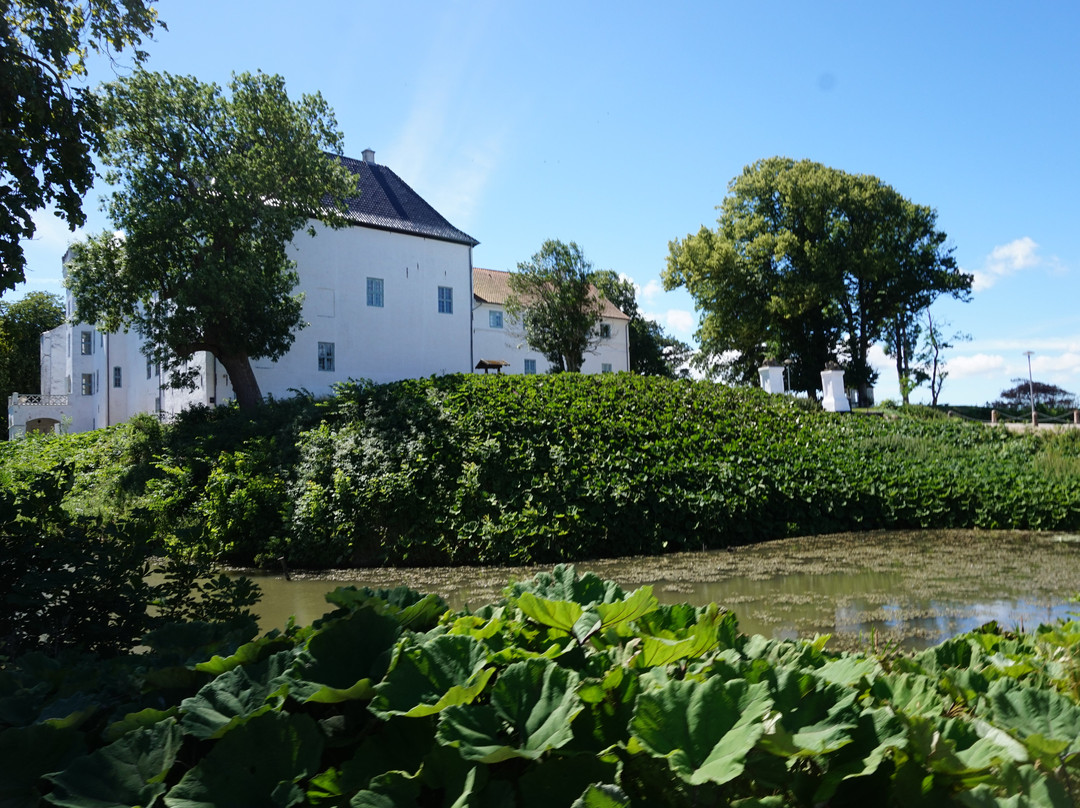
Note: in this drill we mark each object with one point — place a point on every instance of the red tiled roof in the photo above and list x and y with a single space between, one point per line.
493 286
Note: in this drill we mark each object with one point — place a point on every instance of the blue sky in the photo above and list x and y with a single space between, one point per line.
619 126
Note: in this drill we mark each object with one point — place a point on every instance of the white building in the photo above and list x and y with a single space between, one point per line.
390 297
496 339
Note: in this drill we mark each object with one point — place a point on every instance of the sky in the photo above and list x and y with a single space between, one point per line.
619 126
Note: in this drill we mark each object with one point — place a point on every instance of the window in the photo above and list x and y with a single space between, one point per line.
530 367
326 356
117 376
446 300
605 330
149 368
86 343
375 292
88 384
605 367
495 319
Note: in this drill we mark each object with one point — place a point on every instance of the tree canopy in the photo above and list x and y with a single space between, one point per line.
810 264
21 325
552 297
652 351
51 126
210 189
1048 396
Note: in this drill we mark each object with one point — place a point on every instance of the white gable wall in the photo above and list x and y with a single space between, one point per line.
405 338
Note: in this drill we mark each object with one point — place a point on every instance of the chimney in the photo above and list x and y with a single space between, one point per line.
369 156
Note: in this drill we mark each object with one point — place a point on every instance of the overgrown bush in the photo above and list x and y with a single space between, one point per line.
75 583
501 469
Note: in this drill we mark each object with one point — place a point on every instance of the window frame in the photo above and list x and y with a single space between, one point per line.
326 362
495 319
86 343
530 367
86 384
605 330
376 293
117 377
446 300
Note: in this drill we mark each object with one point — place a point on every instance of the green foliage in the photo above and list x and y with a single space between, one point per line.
202 264
474 470
552 297
499 707
51 124
652 352
21 326
815 265
80 584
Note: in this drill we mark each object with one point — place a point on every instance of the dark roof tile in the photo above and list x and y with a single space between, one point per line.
387 203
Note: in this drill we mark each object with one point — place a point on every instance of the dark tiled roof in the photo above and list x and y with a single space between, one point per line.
493 286
387 203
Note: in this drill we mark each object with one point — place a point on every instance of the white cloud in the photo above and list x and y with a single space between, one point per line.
651 291
1007 259
961 367
681 322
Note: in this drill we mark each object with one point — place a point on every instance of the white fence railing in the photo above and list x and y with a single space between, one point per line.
38 400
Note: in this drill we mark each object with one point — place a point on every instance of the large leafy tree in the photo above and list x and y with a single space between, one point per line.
810 264
210 189
652 351
552 297
21 325
50 125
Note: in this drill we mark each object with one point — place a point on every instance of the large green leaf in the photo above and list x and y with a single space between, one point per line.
1046 721
345 657
531 707
704 729
560 614
910 693
684 642
255 764
129 771
602 795
563 583
235 697
428 675
410 608
618 613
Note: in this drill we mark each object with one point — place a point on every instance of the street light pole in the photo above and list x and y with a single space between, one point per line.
1031 390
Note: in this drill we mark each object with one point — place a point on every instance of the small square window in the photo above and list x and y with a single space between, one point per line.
495 319
605 367
446 300
375 292
530 367
88 384
86 343
117 376
326 356
605 330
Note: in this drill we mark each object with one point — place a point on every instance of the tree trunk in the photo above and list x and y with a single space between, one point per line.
244 383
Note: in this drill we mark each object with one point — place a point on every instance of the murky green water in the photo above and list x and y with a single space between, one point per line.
910 588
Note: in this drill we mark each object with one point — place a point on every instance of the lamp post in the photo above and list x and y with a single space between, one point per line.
1031 390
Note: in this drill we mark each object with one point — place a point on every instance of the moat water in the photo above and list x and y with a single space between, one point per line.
909 589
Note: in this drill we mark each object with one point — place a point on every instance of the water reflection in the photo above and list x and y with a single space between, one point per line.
913 589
